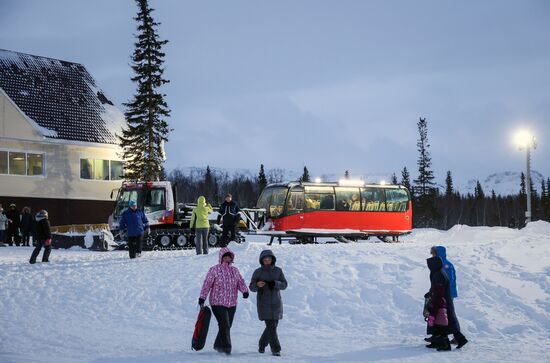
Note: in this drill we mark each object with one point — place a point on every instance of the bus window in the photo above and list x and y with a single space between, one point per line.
319 198
295 203
347 199
277 202
397 200
373 199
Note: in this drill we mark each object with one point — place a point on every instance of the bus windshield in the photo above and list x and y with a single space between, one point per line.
273 200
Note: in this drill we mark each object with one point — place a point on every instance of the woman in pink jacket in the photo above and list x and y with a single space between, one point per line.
222 282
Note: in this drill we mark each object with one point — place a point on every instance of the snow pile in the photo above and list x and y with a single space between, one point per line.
345 302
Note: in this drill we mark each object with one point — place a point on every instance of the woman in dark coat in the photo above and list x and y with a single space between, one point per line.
438 276
27 226
268 281
44 237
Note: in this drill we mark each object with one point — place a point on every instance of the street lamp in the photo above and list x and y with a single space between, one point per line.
526 140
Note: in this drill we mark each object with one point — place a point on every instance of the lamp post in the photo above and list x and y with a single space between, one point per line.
525 140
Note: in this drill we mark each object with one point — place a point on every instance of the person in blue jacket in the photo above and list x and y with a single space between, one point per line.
448 267
136 223
459 339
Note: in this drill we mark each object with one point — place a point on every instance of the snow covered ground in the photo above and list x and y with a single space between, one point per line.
345 303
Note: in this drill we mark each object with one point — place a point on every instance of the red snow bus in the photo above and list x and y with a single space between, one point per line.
347 210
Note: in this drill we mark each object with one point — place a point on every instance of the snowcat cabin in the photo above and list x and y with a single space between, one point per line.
334 209
152 197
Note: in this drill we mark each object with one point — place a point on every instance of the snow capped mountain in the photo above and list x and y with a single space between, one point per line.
505 183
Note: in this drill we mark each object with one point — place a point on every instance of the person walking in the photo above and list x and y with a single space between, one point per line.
44 237
222 283
458 338
3 226
135 221
229 215
199 220
267 281
14 222
27 226
438 276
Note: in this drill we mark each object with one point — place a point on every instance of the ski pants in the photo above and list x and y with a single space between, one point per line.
26 238
270 337
36 251
2 236
224 316
134 245
13 236
227 230
201 240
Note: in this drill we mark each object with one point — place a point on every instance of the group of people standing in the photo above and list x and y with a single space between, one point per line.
228 217
15 227
222 284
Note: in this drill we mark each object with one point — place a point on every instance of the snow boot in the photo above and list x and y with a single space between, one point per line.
435 342
444 346
261 350
276 354
453 341
461 340
428 339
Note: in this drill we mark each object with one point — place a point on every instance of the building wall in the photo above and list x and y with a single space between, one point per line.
61 185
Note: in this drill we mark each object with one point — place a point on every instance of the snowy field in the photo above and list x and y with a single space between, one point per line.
360 302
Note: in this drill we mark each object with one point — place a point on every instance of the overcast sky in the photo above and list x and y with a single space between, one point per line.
333 85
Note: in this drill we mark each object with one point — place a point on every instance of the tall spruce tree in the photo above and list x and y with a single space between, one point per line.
425 174
449 189
394 179
262 180
346 174
305 176
142 141
406 179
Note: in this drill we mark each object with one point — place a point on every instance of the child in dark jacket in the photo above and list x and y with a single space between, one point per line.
44 237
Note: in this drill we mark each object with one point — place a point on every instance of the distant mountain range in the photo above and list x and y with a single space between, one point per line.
503 183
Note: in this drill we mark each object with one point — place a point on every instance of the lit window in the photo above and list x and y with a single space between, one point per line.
17 163
101 169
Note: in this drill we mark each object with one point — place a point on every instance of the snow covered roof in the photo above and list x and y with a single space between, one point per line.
60 97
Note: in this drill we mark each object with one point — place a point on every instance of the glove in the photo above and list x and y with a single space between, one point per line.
245 295
270 284
201 301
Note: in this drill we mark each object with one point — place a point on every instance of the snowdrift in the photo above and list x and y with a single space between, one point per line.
345 302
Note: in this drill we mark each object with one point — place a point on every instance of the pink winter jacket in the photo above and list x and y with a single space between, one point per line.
222 282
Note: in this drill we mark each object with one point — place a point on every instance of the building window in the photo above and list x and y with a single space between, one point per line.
35 164
101 169
98 169
86 168
3 162
116 170
17 163
21 163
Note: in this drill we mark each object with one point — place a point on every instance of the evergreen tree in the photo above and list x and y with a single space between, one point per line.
478 192
406 179
449 190
142 141
523 190
305 176
394 179
262 180
346 174
425 174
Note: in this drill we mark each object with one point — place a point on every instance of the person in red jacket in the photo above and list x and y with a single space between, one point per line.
222 283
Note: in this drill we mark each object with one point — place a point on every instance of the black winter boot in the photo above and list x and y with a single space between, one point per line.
461 340
445 345
435 342
429 339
